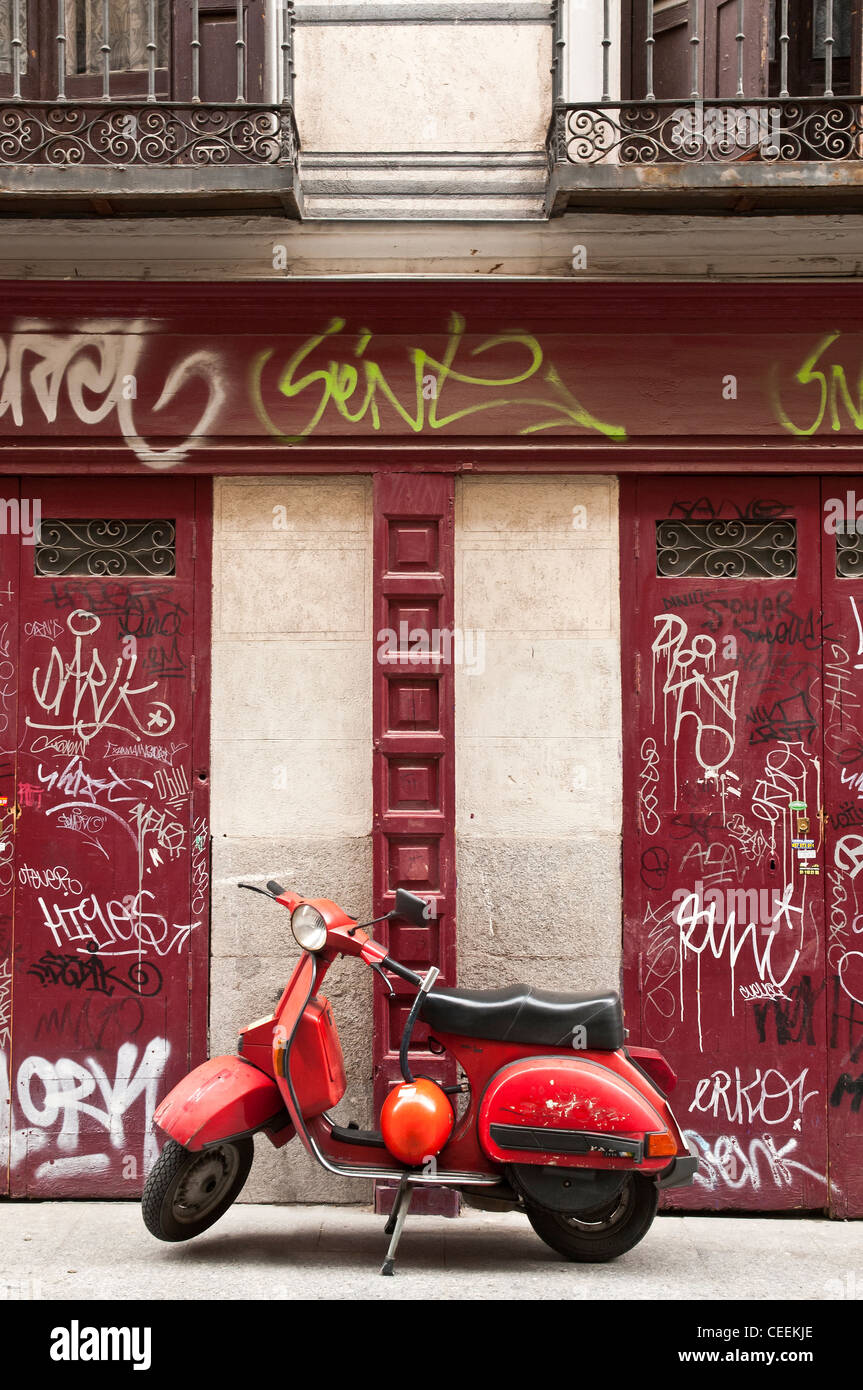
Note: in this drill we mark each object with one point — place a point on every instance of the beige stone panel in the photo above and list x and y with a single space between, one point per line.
545 910
281 592
336 867
313 507
541 590
293 689
541 687
364 87
538 786
577 508
328 789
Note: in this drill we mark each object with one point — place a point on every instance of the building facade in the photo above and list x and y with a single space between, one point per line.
430 452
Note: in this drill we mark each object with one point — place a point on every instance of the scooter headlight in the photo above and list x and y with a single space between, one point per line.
309 928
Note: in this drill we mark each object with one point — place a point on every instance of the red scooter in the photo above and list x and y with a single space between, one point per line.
559 1118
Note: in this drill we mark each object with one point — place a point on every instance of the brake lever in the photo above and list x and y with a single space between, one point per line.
378 971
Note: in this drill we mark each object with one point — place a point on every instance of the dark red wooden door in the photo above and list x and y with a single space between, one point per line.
111 846
725 654
842 587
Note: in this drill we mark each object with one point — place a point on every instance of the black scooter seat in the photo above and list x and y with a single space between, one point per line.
522 1014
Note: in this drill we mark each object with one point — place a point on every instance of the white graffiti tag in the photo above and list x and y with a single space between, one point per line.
48 1092
100 370
84 698
694 697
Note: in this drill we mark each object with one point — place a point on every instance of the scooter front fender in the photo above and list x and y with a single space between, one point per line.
223 1098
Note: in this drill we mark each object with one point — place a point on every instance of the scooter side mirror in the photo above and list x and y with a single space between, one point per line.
412 908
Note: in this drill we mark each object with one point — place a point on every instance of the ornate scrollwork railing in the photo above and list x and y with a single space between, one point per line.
141 133
779 130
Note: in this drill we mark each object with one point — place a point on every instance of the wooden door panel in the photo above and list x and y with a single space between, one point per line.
106 933
724 906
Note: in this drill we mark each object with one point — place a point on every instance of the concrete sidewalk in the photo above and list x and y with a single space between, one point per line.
86 1250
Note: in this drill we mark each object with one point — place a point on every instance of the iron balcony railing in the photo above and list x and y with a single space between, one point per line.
770 87
144 109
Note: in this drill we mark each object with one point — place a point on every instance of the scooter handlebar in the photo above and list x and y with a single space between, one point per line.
275 888
395 969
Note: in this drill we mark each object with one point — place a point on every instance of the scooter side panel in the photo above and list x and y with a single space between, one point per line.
223 1097
572 1112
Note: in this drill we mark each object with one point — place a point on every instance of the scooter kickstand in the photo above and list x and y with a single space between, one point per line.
396 1222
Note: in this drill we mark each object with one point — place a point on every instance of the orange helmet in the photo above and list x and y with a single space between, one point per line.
416 1120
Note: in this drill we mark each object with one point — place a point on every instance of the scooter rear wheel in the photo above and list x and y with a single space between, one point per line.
187 1192
605 1232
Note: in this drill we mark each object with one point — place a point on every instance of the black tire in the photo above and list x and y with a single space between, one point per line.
187 1192
593 1237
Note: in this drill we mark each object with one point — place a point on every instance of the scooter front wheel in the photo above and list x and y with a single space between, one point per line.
604 1232
187 1192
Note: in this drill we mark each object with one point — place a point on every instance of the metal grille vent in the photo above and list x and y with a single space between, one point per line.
726 549
106 547
849 552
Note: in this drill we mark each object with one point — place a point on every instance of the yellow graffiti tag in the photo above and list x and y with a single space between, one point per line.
358 389
831 397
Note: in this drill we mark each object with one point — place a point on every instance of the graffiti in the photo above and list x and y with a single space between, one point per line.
704 509
90 369
783 720
48 1092
153 752
88 699
831 396
694 599
689 690
760 990
169 835
846 1085
721 859
138 614
94 1021
172 785
848 855
702 825
654 867
7 675
58 879
89 973
658 969
793 1016
724 1162
357 388
63 747
769 1098
648 778
49 628
165 663
79 785
848 814
761 905
808 630
846 1024
753 844
29 796
200 868
115 928
743 609
698 934
5 1002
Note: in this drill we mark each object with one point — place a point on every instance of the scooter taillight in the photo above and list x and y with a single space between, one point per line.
656 1067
